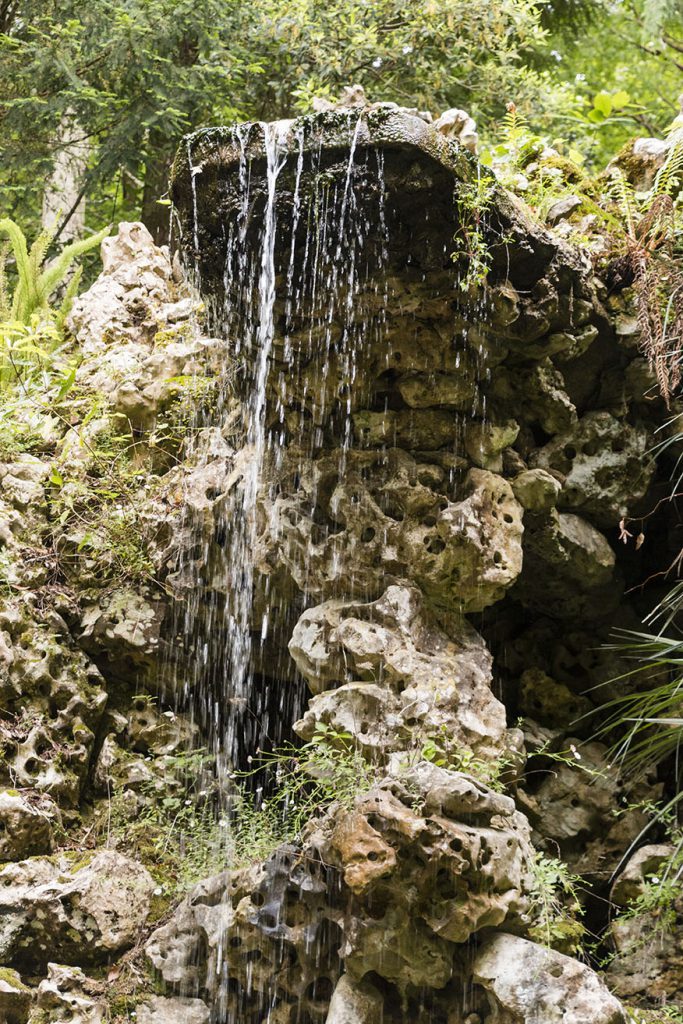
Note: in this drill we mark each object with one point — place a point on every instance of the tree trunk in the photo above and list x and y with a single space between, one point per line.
62 196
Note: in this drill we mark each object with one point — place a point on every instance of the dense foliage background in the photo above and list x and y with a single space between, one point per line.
127 78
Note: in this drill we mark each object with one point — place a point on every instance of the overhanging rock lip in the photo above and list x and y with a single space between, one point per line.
222 146
214 153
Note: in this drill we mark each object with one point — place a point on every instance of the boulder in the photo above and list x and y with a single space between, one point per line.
80 910
648 951
605 464
527 983
67 996
26 824
162 1010
15 998
354 1002
393 677
569 569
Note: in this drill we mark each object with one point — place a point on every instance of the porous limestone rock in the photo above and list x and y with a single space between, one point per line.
15 998
575 806
537 395
390 516
26 824
52 698
605 464
648 946
394 679
527 983
134 283
569 569
432 856
81 913
256 926
457 124
162 1010
68 996
380 857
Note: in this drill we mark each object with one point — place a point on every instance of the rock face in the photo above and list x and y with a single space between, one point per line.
382 854
82 913
647 943
365 504
406 677
68 995
526 983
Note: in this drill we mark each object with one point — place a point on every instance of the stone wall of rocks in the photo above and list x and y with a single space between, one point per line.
437 551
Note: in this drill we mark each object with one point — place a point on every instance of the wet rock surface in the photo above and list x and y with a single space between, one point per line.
432 565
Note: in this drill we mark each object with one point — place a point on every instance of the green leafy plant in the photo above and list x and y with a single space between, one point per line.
441 751
307 779
472 243
646 257
36 283
555 904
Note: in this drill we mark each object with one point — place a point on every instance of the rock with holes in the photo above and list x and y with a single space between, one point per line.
78 910
573 804
527 983
242 940
389 514
15 998
68 995
162 1010
161 733
648 946
27 822
605 465
392 677
537 395
136 281
123 627
52 702
432 856
569 569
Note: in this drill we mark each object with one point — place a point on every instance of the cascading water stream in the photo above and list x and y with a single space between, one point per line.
305 291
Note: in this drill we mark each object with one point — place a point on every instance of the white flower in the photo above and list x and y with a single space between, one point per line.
377 62
407 48
158 891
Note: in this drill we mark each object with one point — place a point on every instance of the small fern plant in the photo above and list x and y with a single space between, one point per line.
30 330
648 261
36 283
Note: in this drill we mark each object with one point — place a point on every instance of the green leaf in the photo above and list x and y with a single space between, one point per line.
56 478
603 103
620 99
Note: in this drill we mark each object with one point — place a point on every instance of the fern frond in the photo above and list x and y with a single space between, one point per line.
24 288
5 304
668 178
514 124
622 193
69 296
56 272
